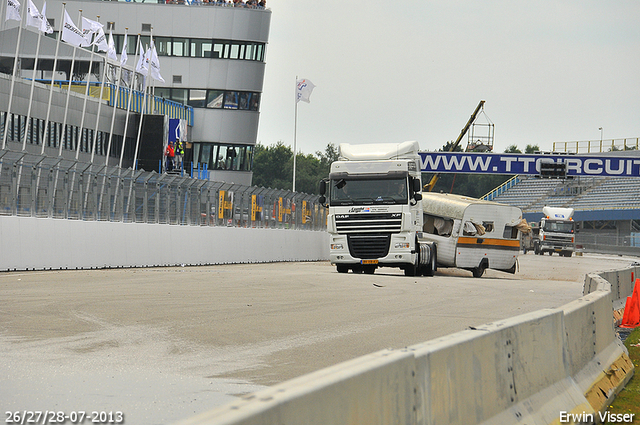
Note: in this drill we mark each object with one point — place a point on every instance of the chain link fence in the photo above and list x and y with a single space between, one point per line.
48 187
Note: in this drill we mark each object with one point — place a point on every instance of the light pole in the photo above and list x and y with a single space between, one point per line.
600 128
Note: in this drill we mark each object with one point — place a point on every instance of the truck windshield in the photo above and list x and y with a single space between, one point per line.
559 226
369 192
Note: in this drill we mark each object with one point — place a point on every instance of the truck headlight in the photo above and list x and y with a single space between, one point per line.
401 245
336 246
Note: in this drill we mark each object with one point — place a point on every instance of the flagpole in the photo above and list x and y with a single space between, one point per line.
104 77
66 107
295 135
115 106
13 81
53 76
144 104
33 81
86 92
126 121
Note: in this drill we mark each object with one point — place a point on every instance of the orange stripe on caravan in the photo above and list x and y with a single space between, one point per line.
489 242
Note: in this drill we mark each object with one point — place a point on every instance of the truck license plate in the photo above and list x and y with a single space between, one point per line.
369 262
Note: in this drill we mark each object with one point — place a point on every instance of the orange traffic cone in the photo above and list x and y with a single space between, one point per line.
631 317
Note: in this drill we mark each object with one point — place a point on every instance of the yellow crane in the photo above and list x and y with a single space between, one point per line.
429 186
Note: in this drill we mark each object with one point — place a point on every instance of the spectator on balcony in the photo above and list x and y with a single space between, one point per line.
170 153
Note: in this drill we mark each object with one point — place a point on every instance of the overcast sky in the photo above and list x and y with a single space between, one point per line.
391 71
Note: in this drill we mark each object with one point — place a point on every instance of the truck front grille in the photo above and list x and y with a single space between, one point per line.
369 246
368 223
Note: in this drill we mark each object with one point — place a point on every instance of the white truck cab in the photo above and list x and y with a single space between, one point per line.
375 214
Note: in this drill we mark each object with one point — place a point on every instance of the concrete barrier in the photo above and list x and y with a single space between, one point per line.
502 372
42 243
375 390
552 366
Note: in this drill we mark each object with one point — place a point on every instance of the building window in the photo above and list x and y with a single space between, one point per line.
163 46
195 47
180 47
220 156
215 99
201 48
197 98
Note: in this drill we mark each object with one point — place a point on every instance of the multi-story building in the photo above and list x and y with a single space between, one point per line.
212 58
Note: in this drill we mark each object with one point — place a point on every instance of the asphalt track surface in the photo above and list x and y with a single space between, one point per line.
162 344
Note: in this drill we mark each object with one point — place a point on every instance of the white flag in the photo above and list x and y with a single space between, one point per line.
303 90
100 40
154 63
142 67
34 18
13 10
111 49
72 34
124 57
45 26
90 27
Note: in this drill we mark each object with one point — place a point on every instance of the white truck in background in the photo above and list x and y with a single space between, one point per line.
379 217
556 232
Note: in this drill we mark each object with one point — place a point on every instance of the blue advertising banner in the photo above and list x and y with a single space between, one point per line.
174 129
508 163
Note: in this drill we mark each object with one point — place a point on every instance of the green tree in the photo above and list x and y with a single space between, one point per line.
532 149
512 149
273 167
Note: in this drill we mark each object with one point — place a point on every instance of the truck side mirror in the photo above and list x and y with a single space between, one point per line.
416 184
418 196
322 188
322 199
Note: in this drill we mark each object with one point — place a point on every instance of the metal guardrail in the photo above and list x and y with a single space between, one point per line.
501 189
592 146
52 187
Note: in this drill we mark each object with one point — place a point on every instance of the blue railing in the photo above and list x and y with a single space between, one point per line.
157 104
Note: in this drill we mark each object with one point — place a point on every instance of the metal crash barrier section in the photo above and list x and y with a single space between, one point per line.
48 187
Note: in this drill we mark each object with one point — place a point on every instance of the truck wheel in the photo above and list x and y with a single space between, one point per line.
433 263
342 268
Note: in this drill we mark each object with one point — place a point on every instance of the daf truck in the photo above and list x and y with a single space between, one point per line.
379 217
373 194
556 232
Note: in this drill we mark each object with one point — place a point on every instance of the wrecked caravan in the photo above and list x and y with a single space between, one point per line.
472 234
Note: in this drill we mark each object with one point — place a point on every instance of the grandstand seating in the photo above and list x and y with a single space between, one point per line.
583 194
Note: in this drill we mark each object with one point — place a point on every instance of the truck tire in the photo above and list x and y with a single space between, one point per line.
411 270
342 268
431 268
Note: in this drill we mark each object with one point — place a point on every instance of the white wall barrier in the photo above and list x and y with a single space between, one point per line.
551 366
42 243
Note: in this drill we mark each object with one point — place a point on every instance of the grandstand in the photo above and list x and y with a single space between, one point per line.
606 208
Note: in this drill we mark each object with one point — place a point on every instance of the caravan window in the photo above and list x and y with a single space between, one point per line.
437 225
510 232
488 226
